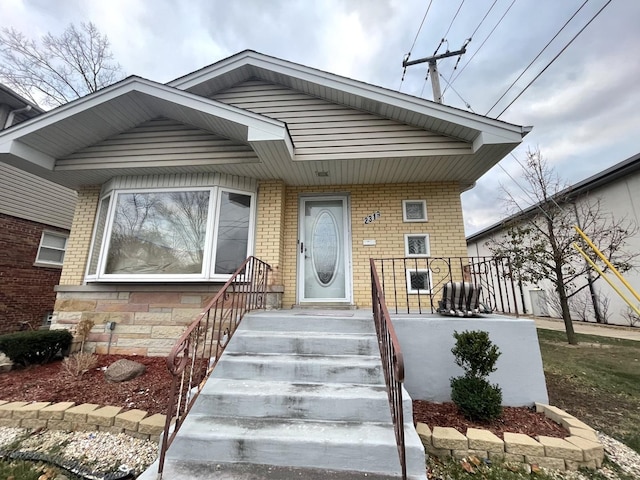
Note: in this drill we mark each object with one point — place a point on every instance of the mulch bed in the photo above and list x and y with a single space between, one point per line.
513 419
49 383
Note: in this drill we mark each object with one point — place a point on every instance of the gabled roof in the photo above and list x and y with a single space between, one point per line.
398 106
605 177
36 144
43 145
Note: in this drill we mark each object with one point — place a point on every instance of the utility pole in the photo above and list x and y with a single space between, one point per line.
433 69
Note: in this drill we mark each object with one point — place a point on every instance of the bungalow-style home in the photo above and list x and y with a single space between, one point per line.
615 188
314 174
311 172
35 219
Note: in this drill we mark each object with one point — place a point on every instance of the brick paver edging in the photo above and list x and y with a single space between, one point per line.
86 417
580 449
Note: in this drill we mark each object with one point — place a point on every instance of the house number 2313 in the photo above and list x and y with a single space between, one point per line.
371 218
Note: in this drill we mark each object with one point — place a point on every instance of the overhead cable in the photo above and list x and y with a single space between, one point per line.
484 41
537 56
406 57
444 37
555 58
455 67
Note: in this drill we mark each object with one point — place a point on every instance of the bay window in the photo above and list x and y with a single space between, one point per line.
190 234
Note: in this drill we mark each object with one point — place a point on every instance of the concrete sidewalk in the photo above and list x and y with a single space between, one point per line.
612 331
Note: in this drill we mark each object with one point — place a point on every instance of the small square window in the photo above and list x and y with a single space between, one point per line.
414 210
418 281
52 248
416 245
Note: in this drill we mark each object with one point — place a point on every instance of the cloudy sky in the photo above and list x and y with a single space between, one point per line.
584 108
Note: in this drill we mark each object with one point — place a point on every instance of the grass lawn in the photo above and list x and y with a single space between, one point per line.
597 381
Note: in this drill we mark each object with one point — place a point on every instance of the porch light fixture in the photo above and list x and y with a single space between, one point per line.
322 174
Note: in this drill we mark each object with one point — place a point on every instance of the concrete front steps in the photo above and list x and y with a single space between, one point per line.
297 394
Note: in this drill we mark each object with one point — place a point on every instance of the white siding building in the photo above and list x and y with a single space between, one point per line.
618 189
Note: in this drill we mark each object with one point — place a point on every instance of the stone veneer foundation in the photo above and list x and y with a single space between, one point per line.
580 449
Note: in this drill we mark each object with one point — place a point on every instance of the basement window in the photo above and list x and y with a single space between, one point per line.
52 249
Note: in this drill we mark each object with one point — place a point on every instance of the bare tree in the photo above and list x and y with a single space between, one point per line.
632 317
539 241
57 69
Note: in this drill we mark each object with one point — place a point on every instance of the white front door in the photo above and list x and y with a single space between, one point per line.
324 251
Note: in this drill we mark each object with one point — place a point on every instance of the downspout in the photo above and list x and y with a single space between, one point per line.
13 113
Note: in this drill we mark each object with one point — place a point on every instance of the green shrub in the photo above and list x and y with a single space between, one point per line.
476 398
475 353
36 346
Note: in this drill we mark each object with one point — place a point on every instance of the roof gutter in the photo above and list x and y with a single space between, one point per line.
13 113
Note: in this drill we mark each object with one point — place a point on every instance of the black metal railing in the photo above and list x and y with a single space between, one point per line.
196 353
416 285
392 363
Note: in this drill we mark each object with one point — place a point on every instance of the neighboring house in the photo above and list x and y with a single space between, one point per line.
35 219
312 172
618 189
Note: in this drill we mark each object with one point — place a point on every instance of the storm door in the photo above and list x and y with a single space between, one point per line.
324 253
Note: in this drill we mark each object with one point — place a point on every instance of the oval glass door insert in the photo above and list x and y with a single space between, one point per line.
325 247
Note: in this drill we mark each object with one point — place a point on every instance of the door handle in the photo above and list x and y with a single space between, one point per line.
301 247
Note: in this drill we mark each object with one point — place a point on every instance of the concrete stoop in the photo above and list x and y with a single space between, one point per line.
296 395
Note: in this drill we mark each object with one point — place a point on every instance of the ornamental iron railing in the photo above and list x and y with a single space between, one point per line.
198 350
418 284
392 363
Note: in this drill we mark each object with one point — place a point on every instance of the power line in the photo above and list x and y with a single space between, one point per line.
455 67
414 41
554 58
537 56
444 37
484 41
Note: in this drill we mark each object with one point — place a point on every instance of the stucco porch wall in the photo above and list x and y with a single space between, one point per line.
444 225
426 343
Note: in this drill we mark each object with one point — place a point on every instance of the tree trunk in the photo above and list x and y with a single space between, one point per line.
566 314
560 287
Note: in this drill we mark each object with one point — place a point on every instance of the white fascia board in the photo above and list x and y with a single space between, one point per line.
153 89
27 153
260 135
354 87
485 138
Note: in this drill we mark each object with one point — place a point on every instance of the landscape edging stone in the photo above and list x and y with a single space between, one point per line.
550 456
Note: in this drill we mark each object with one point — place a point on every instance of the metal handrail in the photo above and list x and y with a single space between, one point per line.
392 363
197 351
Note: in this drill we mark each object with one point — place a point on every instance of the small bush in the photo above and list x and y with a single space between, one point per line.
37 346
475 353
476 398
79 363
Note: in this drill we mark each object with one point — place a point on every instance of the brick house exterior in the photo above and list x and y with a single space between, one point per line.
304 157
30 208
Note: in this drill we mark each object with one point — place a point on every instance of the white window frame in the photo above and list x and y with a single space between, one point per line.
49 263
414 220
417 255
210 244
413 291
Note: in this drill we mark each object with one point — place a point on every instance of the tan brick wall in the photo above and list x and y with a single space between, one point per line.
270 226
75 258
444 226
